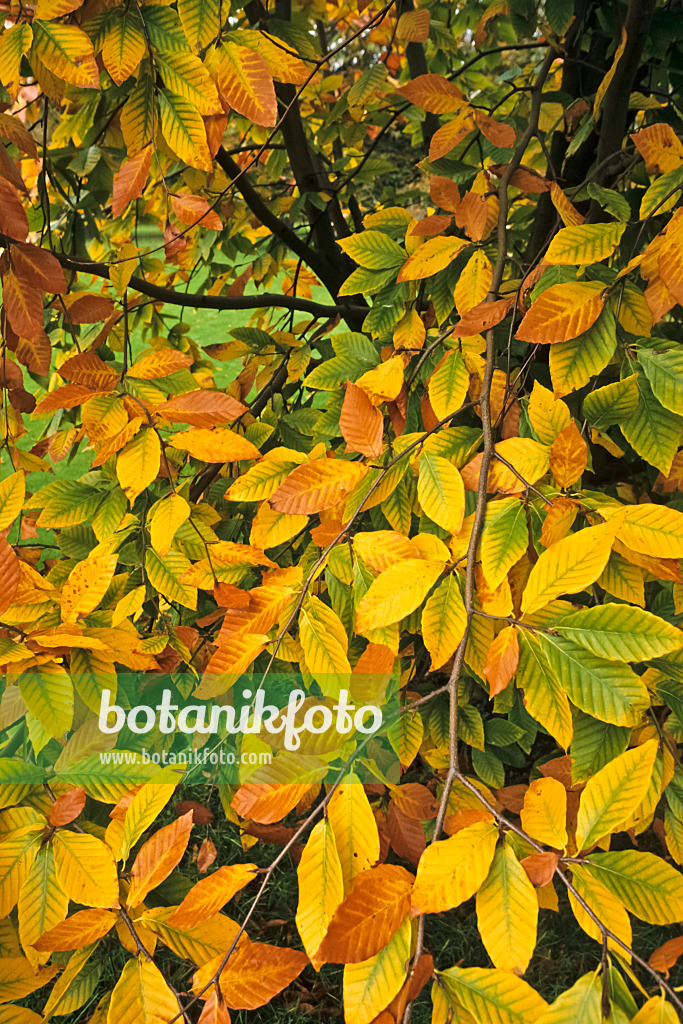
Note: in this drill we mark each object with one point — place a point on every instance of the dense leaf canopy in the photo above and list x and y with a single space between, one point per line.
341 355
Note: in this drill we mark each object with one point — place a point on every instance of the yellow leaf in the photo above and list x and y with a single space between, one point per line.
141 994
18 850
567 211
12 492
656 1011
448 385
604 904
527 456
355 829
324 643
584 243
370 986
167 516
548 415
217 444
86 585
397 592
494 996
183 130
604 84
507 913
441 492
67 52
653 530
474 282
569 566
244 80
138 463
384 383
443 621
144 808
452 870
612 794
321 888
42 903
432 256
544 813
85 869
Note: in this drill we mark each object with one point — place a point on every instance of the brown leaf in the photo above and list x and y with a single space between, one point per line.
13 220
201 815
206 856
406 834
38 267
540 867
67 807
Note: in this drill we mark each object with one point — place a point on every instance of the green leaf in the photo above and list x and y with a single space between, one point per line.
559 14
574 362
619 632
594 744
544 699
664 370
611 201
504 539
607 690
65 503
164 575
654 432
609 405
49 695
655 197
14 771
581 1003
373 250
647 886
493 996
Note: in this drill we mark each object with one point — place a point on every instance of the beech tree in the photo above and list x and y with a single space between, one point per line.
340 352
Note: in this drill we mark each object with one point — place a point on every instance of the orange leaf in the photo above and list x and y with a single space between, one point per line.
660 148
366 920
315 486
561 312
567 211
501 135
158 857
540 867
246 84
568 455
449 135
67 397
66 808
11 128
210 894
444 193
217 444
253 975
80 929
482 317
214 1012
433 93
130 180
501 660
268 803
666 956
415 800
559 520
207 855
88 308
13 220
159 364
23 306
9 575
472 214
39 267
201 408
361 424
89 370
194 210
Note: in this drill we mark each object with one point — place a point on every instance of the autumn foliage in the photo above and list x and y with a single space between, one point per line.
341 349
